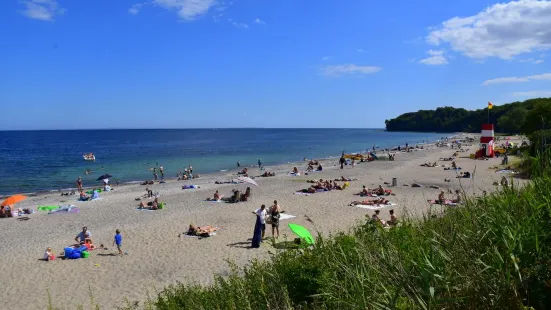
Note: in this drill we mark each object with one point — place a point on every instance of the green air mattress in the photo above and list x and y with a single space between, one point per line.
47 208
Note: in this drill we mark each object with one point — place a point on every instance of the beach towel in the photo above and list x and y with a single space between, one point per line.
47 208
294 174
68 209
303 194
144 209
186 235
371 207
375 207
257 234
285 216
505 171
189 186
220 200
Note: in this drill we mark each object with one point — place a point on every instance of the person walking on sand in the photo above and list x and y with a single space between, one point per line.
342 161
118 241
259 163
275 213
79 184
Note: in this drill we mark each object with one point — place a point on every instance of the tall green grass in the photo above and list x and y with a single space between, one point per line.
492 253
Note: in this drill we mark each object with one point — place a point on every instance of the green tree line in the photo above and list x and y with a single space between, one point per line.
517 117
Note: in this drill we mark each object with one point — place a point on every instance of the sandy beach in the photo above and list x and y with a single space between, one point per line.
158 257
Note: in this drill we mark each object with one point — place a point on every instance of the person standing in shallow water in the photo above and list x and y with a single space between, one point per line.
79 184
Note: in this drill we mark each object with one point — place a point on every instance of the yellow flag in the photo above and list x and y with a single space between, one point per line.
490 105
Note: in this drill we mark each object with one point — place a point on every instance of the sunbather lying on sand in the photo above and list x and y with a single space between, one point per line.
244 171
378 201
203 231
151 205
314 181
268 174
429 165
345 179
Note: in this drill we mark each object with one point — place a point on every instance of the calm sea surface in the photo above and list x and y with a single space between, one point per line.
50 160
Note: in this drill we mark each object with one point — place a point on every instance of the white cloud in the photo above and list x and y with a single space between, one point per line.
533 94
135 9
532 60
360 50
42 9
187 9
348 69
435 58
544 76
502 30
240 25
259 21
326 58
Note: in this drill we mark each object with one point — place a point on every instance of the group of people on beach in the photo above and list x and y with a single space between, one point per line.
270 215
84 238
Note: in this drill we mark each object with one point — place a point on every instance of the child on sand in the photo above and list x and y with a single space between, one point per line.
118 241
49 255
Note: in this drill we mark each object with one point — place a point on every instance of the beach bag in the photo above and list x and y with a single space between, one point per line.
161 205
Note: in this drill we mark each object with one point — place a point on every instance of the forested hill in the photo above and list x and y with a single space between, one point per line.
513 117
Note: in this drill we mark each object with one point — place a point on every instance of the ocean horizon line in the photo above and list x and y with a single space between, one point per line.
193 128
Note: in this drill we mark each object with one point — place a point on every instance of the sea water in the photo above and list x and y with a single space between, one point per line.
33 161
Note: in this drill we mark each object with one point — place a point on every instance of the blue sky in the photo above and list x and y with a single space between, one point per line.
70 64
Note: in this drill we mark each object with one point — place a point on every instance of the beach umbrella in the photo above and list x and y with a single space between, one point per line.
13 200
302 233
247 180
105 176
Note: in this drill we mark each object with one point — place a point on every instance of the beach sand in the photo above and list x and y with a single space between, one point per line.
157 257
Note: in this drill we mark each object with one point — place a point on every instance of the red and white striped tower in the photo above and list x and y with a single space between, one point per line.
487 139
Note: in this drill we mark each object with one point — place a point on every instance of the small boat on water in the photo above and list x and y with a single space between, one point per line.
89 156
